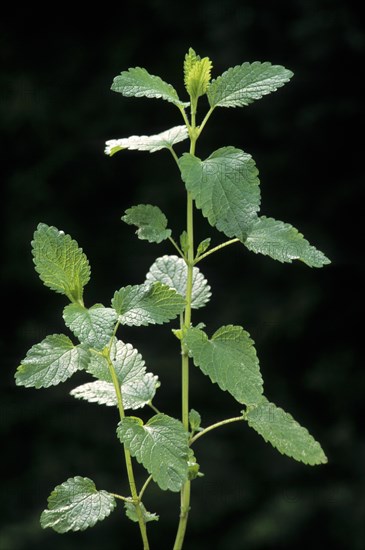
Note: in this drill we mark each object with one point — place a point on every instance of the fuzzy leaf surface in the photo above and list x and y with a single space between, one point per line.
225 187
93 327
138 82
138 387
284 433
243 84
50 362
135 395
281 241
76 505
161 445
196 74
164 140
150 220
172 271
229 359
147 304
60 263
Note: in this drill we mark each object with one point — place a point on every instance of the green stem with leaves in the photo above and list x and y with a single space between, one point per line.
225 187
128 459
186 490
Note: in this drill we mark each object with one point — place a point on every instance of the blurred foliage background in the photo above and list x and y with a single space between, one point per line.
56 112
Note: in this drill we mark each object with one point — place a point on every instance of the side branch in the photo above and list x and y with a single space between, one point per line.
214 426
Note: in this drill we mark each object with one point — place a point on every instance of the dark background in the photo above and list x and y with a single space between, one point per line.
56 112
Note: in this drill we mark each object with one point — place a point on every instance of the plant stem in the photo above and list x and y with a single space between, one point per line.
215 249
206 118
127 456
214 426
185 491
177 247
145 485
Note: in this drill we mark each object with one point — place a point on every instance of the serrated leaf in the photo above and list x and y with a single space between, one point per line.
196 74
229 359
127 362
76 505
147 304
164 140
50 362
130 511
138 82
172 271
225 187
161 445
191 58
135 395
284 433
137 386
281 241
243 84
93 327
60 263
150 220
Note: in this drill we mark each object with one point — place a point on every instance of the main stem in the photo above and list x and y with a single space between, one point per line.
128 460
185 491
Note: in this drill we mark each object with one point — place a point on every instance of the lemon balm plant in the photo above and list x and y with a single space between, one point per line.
225 189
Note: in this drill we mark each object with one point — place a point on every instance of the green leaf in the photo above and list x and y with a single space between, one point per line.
282 242
93 327
76 505
196 74
50 362
172 271
161 445
151 222
164 140
137 82
243 84
225 187
60 263
203 247
194 420
135 395
147 304
194 467
131 513
229 359
284 433
138 387
184 242
127 362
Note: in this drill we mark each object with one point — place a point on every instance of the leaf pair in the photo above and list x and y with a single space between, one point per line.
138 387
229 359
225 187
236 87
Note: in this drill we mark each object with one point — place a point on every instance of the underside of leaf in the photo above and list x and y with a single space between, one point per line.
172 271
164 140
